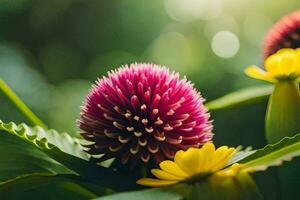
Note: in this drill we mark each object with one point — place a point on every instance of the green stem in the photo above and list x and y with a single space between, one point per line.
20 104
283 113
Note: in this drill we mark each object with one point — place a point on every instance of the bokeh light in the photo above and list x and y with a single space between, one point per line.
190 10
174 50
223 22
225 44
171 49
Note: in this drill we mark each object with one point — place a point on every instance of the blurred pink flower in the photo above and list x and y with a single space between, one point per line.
284 34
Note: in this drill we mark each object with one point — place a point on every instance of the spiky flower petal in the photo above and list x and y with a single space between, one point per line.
284 34
143 113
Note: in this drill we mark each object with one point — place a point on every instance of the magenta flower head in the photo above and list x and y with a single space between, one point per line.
284 34
143 113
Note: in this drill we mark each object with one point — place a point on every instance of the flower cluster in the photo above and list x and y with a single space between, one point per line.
142 113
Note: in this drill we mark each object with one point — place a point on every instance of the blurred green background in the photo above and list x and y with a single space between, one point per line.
51 52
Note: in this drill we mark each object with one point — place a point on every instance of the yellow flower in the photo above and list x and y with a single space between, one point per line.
283 65
230 172
188 164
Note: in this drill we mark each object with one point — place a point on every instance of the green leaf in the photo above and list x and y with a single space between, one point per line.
46 138
39 138
19 157
20 104
63 141
241 97
95 173
166 193
240 155
274 154
37 186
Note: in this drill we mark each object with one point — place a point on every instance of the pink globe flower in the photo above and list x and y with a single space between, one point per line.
143 113
284 34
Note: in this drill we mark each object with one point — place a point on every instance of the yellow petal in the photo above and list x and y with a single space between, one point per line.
165 175
221 157
273 63
189 160
297 70
258 73
154 182
285 50
207 153
228 172
297 51
218 156
289 61
172 168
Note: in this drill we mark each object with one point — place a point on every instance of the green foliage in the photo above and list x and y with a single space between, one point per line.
61 186
241 97
39 139
168 193
274 154
240 155
46 139
57 156
19 157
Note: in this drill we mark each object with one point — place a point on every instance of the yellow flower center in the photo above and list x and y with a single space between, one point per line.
283 65
189 164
